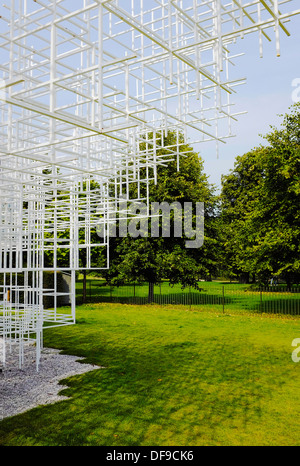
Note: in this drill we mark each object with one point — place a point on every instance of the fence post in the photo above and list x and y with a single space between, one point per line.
223 298
261 309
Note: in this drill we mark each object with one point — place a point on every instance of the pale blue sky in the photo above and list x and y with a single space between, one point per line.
267 93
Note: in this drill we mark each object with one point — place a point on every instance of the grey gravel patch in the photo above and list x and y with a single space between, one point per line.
24 389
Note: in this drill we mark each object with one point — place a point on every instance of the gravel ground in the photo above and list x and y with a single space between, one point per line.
24 389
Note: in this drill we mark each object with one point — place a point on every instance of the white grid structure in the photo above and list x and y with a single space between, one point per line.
82 84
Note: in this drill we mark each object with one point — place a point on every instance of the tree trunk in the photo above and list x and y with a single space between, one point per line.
244 277
288 282
151 292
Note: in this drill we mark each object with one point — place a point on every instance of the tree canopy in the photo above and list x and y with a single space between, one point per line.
150 258
260 206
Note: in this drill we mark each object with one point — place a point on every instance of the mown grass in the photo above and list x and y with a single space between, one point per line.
173 376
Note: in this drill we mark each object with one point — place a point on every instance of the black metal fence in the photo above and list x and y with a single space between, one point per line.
273 299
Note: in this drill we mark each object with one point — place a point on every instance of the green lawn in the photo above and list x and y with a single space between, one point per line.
173 376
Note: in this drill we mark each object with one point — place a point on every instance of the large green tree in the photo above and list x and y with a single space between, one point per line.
150 258
260 202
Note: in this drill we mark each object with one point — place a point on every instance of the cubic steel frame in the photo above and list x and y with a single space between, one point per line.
88 91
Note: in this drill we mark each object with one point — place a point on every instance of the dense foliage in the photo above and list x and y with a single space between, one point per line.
151 258
260 207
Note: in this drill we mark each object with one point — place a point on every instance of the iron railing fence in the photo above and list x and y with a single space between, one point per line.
272 299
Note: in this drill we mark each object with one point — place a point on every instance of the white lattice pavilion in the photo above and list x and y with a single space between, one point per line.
82 84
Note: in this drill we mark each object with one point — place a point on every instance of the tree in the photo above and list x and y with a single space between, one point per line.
260 206
239 193
151 259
